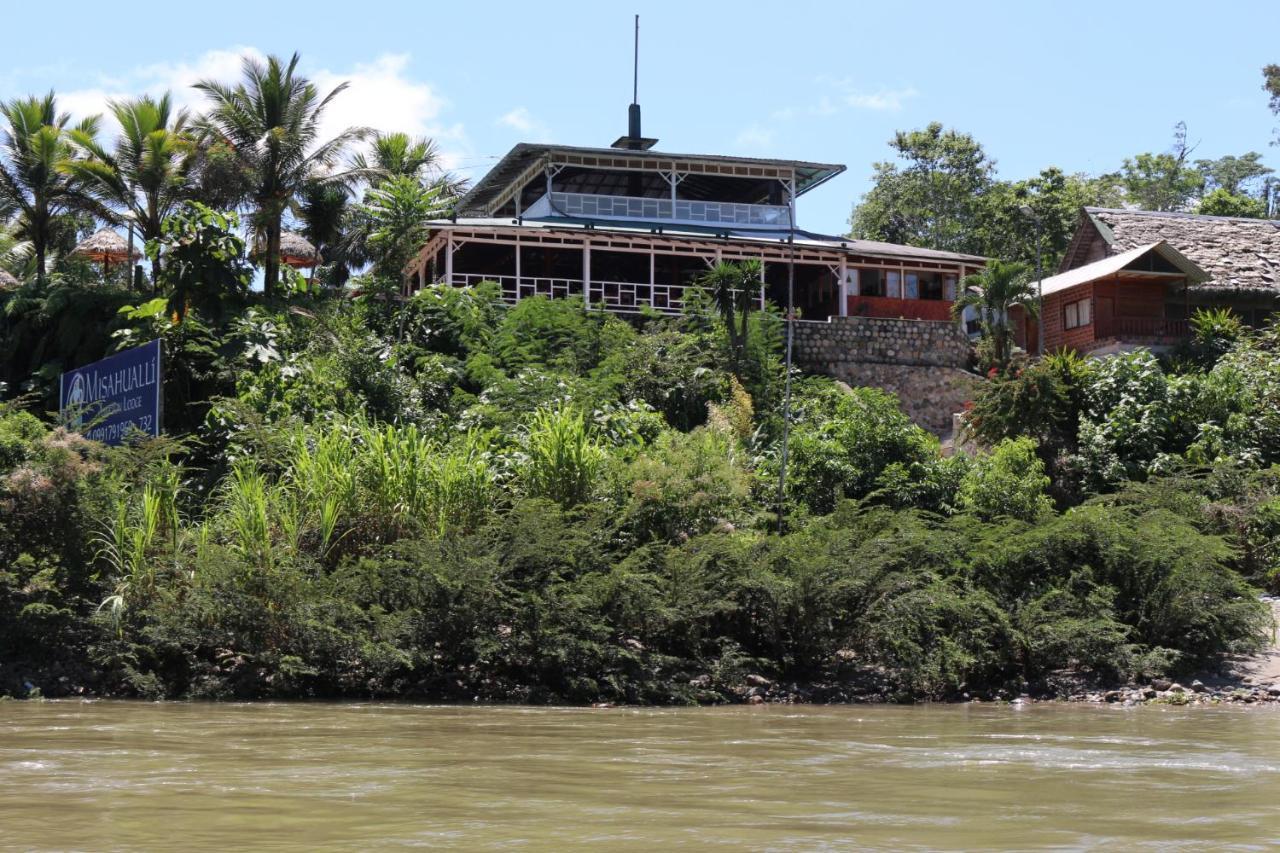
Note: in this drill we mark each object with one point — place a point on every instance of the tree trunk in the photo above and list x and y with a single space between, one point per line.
271 264
40 254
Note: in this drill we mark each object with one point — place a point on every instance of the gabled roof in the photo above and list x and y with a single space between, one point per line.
1116 263
478 202
1238 254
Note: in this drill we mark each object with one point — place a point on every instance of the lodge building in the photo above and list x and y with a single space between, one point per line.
628 229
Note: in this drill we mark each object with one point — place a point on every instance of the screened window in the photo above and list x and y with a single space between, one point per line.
869 282
913 286
1076 314
893 285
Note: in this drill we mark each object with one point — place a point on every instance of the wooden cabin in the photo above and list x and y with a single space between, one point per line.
1137 298
1240 256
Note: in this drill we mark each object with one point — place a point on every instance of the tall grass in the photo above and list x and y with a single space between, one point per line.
563 458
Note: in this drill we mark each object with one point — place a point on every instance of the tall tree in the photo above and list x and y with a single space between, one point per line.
1271 85
1055 199
146 173
993 292
1244 175
929 197
396 213
271 121
1165 181
323 209
34 149
1222 203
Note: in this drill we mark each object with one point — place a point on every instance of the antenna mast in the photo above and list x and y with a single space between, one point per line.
635 68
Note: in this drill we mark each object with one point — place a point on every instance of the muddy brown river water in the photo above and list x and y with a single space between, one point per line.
132 776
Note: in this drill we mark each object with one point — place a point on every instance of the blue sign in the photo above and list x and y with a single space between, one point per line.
112 399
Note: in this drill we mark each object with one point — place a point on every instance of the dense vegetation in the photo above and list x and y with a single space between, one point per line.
454 498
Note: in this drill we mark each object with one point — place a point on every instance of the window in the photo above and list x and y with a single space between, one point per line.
913 286
893 285
949 288
930 285
1076 314
869 282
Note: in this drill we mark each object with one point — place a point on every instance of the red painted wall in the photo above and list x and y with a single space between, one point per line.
909 309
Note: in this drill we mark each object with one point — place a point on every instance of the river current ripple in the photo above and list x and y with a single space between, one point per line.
319 776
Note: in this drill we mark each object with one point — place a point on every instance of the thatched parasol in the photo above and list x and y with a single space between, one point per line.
107 247
7 282
296 251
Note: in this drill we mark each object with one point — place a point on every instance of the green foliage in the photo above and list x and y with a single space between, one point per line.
843 439
1008 482
205 267
994 292
562 456
931 197
1222 202
394 216
685 485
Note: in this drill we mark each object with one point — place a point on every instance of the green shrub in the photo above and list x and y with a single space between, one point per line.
1009 481
842 440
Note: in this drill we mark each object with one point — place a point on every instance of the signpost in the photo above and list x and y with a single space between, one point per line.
112 399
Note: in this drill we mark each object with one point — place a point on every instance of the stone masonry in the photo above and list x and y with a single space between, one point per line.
925 363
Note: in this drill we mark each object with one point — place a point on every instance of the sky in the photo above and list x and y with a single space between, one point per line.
1079 86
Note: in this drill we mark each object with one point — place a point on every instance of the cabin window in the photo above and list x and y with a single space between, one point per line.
930 285
1076 314
913 286
949 288
868 282
893 285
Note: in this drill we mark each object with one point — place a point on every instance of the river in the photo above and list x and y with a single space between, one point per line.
129 776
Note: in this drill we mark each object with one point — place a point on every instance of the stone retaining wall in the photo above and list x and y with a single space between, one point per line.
882 341
923 362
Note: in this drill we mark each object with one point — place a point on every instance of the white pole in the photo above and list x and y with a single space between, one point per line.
448 262
586 273
842 289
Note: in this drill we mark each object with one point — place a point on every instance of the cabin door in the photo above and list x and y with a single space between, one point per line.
1104 316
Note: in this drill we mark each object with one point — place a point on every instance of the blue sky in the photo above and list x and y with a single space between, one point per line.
1079 86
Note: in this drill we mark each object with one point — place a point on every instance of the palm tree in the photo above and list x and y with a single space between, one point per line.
992 293
33 182
394 218
272 123
734 287
146 174
323 211
399 155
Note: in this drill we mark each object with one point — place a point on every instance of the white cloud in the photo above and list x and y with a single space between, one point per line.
755 137
889 100
523 122
381 93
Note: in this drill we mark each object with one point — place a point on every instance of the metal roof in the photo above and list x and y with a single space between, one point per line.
524 154
845 245
1115 263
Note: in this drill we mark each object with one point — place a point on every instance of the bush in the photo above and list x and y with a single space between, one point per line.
842 440
1010 481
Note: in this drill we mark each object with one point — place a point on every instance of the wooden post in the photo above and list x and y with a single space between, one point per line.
586 273
448 261
841 287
